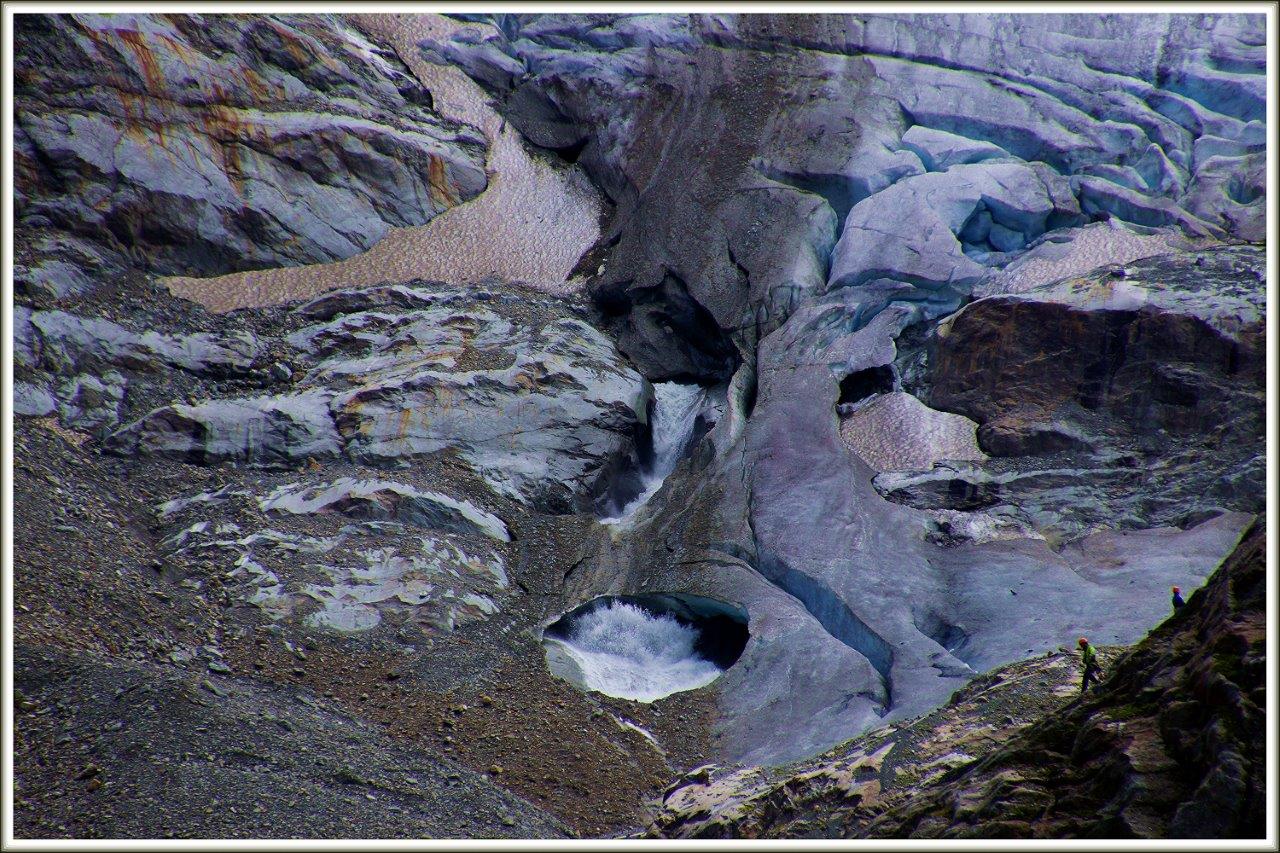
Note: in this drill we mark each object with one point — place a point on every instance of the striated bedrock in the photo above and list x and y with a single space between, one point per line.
1166 747
860 614
203 144
80 368
929 149
531 398
1128 397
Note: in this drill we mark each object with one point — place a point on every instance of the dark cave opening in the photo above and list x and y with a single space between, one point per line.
720 627
864 383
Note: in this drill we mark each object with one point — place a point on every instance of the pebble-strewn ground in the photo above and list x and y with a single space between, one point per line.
532 224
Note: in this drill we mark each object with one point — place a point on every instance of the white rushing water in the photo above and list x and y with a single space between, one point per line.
675 413
624 651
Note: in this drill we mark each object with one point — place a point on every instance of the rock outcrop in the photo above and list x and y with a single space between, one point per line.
1129 397
872 174
204 144
79 367
953 150
965 346
1163 748
535 400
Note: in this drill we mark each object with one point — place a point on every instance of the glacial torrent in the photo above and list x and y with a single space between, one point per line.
624 651
676 409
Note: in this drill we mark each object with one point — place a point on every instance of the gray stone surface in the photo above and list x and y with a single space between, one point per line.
353 580
265 430
213 143
533 399
84 364
1157 120
386 500
87 402
785 521
1129 397
67 342
868 176
32 400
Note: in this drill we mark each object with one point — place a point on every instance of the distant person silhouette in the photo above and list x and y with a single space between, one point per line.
1089 658
1177 600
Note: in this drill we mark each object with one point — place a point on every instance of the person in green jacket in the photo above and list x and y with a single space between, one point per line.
1089 659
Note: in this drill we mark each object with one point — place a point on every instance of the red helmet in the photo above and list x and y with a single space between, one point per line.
1082 642
1176 590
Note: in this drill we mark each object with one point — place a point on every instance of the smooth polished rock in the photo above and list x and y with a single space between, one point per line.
214 143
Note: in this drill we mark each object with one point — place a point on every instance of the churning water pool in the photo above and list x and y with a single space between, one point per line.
645 647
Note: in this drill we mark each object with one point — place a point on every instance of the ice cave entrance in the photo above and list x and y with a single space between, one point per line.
644 647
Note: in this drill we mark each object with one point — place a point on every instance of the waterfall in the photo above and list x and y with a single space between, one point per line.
628 652
676 408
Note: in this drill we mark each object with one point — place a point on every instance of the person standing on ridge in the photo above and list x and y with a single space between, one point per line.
1089 658
1177 600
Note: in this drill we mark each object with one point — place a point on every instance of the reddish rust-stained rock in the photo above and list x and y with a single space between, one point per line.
205 144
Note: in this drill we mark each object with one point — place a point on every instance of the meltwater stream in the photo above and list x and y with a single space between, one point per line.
674 417
623 650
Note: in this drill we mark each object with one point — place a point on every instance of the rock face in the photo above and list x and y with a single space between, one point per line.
537 402
1128 397
1171 344
213 143
1163 748
73 365
952 148
534 221
969 352
380 499
872 175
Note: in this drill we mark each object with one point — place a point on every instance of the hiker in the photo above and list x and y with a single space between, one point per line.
1177 600
1089 658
